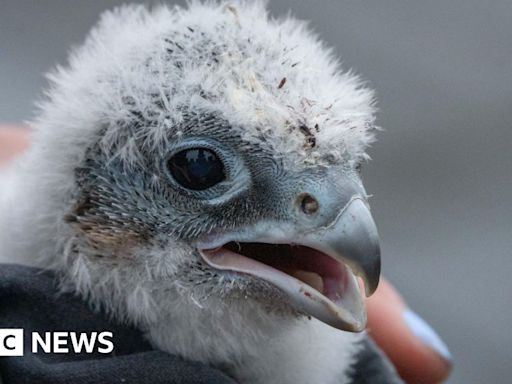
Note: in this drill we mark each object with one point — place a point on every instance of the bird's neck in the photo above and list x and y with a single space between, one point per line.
256 347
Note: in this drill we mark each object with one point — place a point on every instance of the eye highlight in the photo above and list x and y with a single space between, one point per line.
197 168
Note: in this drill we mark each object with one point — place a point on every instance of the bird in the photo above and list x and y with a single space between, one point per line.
195 172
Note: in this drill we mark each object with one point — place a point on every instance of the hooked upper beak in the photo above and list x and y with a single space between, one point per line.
352 239
318 268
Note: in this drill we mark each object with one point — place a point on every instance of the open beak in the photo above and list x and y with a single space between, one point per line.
317 269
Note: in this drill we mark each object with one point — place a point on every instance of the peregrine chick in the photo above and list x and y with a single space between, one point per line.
195 173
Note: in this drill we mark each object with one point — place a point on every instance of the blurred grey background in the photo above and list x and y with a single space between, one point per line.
442 170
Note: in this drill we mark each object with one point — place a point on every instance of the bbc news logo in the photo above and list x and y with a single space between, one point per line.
12 342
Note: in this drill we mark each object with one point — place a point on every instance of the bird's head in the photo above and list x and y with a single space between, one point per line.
214 156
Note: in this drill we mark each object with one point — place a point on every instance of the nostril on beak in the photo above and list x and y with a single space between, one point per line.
307 203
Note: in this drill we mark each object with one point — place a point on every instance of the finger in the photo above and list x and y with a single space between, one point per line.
13 140
417 352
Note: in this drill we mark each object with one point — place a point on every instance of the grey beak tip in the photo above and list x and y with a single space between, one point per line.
360 245
373 278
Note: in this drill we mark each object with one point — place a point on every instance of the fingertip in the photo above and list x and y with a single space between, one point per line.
434 360
13 140
418 353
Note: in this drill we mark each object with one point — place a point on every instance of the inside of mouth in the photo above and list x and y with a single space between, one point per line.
312 267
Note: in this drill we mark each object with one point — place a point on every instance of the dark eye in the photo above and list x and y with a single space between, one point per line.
196 168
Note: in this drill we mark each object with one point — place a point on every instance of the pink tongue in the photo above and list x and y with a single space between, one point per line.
299 261
309 265
293 258
311 260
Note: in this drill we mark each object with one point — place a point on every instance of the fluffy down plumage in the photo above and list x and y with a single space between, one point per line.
124 95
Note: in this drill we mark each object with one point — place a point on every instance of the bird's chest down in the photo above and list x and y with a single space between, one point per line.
252 351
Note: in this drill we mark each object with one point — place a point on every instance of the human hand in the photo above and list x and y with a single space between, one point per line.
417 352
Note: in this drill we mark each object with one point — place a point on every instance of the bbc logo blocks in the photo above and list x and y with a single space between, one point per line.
11 342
